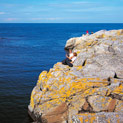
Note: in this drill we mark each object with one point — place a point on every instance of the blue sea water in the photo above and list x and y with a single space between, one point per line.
25 51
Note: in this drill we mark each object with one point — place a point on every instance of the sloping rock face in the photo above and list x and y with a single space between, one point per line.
89 92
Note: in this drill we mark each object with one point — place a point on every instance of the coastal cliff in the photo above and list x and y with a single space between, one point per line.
89 92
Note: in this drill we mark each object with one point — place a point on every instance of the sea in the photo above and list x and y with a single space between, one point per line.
26 49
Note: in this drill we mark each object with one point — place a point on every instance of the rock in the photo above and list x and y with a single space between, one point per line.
70 43
119 106
111 106
57 115
99 103
94 84
76 105
98 118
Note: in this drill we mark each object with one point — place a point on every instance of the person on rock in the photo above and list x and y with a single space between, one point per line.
87 33
70 53
70 59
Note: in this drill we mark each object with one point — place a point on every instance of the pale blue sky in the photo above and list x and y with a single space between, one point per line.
61 11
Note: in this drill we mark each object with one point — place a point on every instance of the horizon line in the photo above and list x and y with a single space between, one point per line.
60 23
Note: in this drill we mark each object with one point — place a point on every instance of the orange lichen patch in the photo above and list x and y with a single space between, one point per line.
115 80
117 116
109 120
101 36
42 78
104 80
84 87
121 81
119 32
58 73
37 97
76 103
95 42
64 92
94 79
38 83
81 119
113 39
67 73
86 118
99 103
119 106
33 94
78 52
97 80
118 90
83 84
42 75
57 63
49 75
79 67
68 80
95 118
82 80
92 119
76 86
32 102
95 84
57 67
88 43
89 91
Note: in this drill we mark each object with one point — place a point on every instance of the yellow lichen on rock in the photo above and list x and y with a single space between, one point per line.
79 67
97 117
99 103
101 36
42 75
119 106
113 39
32 102
118 90
119 32
91 88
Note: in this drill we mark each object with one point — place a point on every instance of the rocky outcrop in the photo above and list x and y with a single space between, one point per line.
90 91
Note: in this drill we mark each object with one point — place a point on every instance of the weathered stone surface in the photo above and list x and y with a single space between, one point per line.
99 103
57 115
98 118
119 106
112 104
94 83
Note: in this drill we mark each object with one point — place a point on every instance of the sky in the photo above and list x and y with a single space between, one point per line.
61 11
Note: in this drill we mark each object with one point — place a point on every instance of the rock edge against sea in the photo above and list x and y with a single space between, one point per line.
89 92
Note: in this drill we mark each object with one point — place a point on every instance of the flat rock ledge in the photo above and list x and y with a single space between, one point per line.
89 92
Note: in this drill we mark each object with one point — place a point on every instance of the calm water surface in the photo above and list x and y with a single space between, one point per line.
25 51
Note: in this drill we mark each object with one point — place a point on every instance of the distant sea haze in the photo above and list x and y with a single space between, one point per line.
25 51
